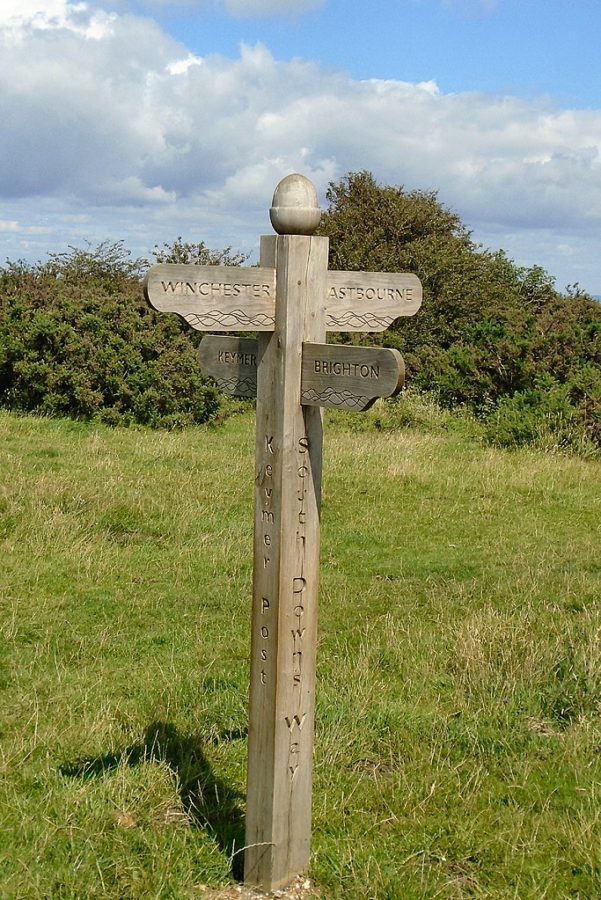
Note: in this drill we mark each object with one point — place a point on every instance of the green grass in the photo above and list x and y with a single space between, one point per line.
459 664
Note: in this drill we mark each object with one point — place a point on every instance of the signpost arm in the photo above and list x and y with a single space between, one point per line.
286 566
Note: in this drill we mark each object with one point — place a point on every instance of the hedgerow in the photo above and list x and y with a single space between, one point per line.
78 339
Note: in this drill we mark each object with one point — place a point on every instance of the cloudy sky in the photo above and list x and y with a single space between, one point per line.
143 120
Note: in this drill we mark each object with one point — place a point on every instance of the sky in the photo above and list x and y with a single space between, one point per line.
144 120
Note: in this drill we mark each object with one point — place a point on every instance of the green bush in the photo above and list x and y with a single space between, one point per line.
491 336
77 339
528 417
191 253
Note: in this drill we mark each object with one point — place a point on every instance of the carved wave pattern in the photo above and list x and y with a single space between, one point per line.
336 398
245 387
352 319
236 318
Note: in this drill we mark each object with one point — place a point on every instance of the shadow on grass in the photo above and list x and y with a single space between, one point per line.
207 800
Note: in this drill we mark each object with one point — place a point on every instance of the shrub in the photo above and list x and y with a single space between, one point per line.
197 254
78 339
544 417
491 336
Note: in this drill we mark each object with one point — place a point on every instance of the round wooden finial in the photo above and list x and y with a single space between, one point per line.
295 209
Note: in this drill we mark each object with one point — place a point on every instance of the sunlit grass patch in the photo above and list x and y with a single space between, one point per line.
459 663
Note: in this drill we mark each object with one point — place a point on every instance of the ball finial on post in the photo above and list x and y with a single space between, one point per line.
295 209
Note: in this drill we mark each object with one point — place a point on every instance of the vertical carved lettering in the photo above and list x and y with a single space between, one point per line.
299 585
295 722
297 661
267 519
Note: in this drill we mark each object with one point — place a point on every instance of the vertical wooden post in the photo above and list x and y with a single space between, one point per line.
286 557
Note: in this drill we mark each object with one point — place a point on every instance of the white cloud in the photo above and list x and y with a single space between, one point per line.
121 123
180 66
15 227
20 17
13 11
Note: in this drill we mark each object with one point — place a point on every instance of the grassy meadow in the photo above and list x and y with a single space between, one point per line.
458 729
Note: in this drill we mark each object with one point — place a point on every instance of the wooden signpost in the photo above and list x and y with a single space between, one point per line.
332 375
291 300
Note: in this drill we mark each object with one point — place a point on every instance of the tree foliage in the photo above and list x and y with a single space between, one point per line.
108 264
197 254
491 335
78 339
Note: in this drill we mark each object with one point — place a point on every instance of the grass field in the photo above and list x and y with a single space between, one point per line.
459 666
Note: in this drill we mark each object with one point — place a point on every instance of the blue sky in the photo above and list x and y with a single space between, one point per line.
145 119
528 48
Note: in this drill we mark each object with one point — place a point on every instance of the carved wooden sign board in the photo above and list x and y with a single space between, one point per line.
291 300
332 375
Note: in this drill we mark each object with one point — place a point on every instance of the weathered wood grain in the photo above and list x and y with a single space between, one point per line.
286 573
226 298
232 362
342 377
370 301
214 298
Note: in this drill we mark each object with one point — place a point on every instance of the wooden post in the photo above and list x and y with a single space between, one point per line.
286 559
291 300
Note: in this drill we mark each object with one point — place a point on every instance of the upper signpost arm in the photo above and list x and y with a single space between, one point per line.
370 301
214 298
